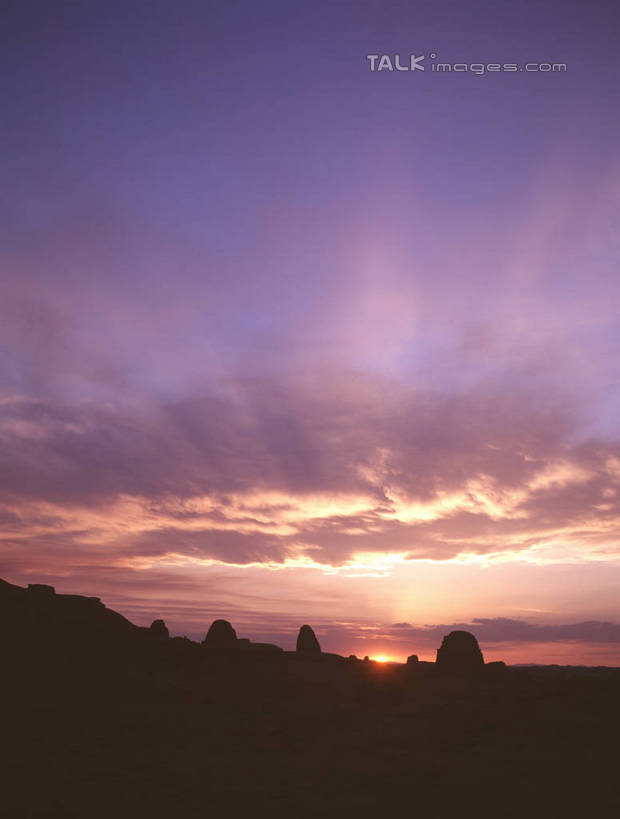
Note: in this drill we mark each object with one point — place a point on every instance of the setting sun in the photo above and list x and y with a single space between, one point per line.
381 659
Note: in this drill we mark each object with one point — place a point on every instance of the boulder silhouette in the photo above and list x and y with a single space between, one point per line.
412 659
307 642
459 652
221 636
159 630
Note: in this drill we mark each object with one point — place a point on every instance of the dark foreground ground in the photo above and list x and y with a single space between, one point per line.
95 726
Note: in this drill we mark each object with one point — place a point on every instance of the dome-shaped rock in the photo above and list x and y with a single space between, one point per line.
221 636
459 652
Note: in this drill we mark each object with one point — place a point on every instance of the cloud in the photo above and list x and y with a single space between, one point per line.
502 629
264 472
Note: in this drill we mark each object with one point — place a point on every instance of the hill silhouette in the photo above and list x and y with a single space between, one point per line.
106 718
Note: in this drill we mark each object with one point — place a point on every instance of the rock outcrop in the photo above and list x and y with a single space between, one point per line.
221 637
39 591
459 653
159 630
65 633
412 659
307 642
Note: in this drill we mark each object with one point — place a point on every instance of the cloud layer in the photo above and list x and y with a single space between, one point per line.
318 473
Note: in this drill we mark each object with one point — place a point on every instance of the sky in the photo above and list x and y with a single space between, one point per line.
285 339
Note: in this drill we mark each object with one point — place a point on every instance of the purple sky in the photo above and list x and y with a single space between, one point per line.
287 340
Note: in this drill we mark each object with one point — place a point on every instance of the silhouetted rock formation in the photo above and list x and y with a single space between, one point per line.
221 637
459 653
307 642
66 633
258 648
412 659
159 630
40 591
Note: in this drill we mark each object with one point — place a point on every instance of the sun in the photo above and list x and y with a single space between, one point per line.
381 659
